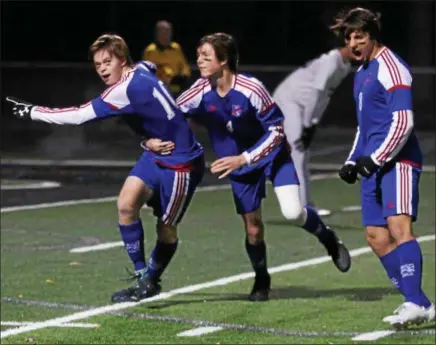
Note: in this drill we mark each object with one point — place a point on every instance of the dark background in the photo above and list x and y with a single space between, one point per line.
268 32
44 55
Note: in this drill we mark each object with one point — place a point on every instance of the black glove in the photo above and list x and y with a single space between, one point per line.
365 166
306 138
20 109
348 173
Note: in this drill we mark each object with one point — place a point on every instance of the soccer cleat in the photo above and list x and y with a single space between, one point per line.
144 288
337 250
261 288
408 314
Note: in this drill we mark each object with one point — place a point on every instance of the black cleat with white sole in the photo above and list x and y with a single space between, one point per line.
337 250
261 288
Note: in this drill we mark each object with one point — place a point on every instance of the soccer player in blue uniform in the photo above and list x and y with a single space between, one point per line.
164 182
387 155
246 131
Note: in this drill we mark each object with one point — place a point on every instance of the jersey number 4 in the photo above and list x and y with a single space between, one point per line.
166 100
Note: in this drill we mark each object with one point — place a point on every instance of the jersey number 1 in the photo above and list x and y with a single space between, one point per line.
164 100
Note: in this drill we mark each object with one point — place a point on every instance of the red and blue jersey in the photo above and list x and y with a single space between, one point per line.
245 121
383 96
146 105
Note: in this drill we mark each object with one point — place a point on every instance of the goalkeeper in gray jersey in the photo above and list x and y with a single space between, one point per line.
303 97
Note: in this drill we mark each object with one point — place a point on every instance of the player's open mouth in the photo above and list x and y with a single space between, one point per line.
357 53
105 77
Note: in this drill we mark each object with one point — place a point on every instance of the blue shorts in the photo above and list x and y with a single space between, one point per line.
172 188
393 191
249 189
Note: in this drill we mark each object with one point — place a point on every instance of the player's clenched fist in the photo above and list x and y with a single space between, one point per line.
158 146
20 108
348 173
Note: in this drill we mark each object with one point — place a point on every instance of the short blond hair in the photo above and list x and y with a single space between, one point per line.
114 44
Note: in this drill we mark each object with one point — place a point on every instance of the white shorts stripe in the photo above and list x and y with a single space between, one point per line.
182 199
178 197
404 188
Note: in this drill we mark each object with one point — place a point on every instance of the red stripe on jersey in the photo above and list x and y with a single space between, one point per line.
399 87
396 137
251 87
259 87
394 66
391 73
192 92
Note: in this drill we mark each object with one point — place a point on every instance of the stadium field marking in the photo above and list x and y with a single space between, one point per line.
74 324
204 323
195 332
97 247
30 185
352 208
187 289
370 336
114 198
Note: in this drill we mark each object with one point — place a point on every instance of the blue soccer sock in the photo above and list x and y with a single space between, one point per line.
410 267
315 225
390 263
133 238
257 254
160 258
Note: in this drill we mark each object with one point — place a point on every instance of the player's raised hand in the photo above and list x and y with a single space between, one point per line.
348 173
20 108
158 146
227 164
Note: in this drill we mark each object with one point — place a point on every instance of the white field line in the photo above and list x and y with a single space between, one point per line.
187 289
372 335
195 332
35 185
76 324
101 246
114 198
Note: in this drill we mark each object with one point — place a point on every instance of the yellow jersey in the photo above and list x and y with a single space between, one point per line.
170 62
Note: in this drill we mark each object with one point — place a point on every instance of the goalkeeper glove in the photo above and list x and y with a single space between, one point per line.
306 138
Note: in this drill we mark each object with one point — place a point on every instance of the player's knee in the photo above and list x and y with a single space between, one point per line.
127 210
254 230
293 213
379 240
400 228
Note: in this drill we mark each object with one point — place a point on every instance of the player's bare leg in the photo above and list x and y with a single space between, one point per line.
132 197
256 250
308 219
417 308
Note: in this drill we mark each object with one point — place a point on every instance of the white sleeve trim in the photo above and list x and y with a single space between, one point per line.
64 116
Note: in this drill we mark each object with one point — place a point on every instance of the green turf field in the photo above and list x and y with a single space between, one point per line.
310 302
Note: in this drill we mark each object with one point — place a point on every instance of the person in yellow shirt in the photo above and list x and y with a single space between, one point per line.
172 67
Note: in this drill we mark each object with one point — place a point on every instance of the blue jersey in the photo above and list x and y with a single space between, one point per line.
245 121
383 96
146 105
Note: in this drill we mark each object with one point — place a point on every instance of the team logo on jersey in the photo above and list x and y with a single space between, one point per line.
236 110
360 101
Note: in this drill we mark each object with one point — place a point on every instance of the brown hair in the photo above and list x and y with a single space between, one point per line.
225 48
114 44
357 19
